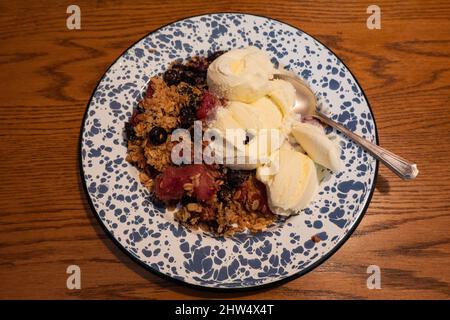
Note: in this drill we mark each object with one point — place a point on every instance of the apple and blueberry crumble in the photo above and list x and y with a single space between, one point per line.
213 197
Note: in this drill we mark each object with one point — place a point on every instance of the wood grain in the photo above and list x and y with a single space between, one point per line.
48 74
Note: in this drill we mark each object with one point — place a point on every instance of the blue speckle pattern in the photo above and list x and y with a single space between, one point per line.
149 233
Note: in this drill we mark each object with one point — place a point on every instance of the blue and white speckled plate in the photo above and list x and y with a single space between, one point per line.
244 261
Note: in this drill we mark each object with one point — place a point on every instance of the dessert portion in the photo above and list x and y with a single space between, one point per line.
269 165
241 75
212 197
256 104
295 183
316 144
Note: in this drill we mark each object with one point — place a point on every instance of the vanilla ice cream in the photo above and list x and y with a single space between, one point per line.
318 146
293 184
258 150
261 114
283 94
261 111
260 120
241 75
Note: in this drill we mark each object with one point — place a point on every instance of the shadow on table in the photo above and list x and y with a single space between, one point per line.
165 283
382 184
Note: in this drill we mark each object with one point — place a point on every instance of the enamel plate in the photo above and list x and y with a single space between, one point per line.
244 261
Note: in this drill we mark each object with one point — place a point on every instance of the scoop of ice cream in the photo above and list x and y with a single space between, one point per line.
317 145
283 94
262 144
261 114
291 180
256 124
224 120
241 74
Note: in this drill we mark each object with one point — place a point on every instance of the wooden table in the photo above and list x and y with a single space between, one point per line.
49 72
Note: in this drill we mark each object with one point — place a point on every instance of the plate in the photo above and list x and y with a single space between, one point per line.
244 261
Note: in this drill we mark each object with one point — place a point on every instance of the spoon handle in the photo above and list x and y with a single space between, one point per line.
403 168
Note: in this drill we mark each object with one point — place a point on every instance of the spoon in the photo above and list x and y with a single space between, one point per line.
305 104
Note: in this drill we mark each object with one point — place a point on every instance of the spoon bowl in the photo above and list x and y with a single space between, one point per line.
305 100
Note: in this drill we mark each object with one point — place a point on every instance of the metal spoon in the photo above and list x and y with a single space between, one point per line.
305 104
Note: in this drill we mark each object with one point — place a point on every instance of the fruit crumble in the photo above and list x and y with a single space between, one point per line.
214 198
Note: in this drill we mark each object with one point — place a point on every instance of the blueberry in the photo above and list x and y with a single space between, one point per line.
187 116
200 79
234 178
188 77
157 135
155 201
172 77
130 134
188 199
194 77
213 225
140 109
199 64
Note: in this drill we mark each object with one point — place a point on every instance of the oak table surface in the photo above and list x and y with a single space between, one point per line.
48 74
